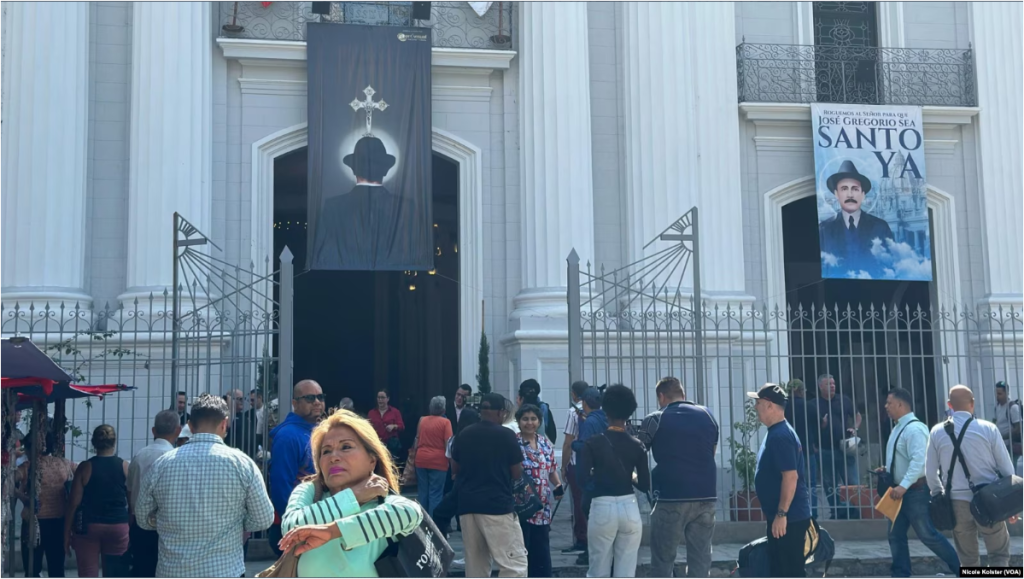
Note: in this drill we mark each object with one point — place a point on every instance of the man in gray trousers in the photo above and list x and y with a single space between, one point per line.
684 480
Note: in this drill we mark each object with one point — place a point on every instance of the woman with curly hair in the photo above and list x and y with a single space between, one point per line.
340 518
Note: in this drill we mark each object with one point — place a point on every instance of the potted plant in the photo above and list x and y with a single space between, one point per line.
743 503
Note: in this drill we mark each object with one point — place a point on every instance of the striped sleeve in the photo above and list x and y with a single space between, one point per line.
397 516
302 510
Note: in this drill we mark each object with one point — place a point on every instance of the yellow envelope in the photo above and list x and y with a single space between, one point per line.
889 506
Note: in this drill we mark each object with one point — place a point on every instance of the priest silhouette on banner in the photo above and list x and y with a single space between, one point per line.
850 234
358 230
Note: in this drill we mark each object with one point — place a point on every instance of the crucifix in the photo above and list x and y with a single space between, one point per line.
368 105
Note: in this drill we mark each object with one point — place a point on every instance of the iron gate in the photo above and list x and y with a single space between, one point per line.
232 335
636 324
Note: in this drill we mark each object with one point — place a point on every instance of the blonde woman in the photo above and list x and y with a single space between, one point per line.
344 533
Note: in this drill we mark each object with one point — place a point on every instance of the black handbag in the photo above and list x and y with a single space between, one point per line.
422 553
994 502
885 479
941 505
527 500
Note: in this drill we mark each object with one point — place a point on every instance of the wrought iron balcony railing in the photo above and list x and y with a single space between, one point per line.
454 24
789 73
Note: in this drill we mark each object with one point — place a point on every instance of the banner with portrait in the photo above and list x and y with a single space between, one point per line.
871 191
369 148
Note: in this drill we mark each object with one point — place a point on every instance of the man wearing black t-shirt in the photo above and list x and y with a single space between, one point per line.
781 486
486 458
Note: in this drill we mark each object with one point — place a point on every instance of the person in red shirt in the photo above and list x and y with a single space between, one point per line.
432 437
387 422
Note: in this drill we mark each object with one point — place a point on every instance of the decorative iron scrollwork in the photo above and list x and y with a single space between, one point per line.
896 76
453 24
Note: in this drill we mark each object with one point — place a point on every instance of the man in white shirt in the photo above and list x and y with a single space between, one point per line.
145 544
1007 419
574 417
986 457
905 459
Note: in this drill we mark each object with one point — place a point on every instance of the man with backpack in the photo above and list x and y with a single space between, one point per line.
574 420
684 481
1007 419
978 448
529 393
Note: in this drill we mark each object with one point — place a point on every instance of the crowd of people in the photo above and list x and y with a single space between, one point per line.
919 466
187 503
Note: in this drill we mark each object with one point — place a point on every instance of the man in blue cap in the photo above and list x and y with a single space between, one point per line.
595 423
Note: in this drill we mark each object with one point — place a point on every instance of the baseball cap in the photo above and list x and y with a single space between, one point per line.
772 393
592 397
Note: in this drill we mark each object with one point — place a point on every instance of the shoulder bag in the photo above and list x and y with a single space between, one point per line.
422 553
288 564
886 480
941 505
527 499
994 502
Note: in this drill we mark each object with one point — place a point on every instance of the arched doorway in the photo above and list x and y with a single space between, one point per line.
360 331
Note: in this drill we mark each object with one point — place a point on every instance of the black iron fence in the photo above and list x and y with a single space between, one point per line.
647 320
453 24
863 350
790 73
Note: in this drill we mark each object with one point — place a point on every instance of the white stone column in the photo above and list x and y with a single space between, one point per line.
171 136
660 137
997 48
45 148
682 132
556 185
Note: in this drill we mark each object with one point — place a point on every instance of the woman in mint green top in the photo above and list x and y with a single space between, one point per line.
344 532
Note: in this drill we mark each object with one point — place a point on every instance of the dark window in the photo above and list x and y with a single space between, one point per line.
844 71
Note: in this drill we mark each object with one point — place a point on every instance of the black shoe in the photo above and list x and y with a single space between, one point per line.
577 548
583 559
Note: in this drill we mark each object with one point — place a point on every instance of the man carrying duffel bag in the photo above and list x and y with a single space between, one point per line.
754 559
984 463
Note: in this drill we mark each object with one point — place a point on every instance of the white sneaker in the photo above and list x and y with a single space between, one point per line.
459 563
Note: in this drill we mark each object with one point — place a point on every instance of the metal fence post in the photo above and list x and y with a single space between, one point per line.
285 343
575 330
698 308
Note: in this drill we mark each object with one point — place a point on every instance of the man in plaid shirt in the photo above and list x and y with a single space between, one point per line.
201 498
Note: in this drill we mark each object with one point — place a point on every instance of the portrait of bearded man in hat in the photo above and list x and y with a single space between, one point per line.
850 233
358 228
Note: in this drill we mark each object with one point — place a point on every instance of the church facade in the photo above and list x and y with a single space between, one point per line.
574 126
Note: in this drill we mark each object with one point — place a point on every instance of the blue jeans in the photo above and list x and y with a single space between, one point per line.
430 484
915 512
839 468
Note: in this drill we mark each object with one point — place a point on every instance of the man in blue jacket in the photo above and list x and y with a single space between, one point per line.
290 455
682 437
595 423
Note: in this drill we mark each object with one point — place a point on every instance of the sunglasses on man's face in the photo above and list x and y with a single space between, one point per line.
311 398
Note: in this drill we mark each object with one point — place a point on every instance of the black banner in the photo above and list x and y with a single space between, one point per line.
369 148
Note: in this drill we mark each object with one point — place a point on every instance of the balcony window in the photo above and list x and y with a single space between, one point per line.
789 73
452 24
